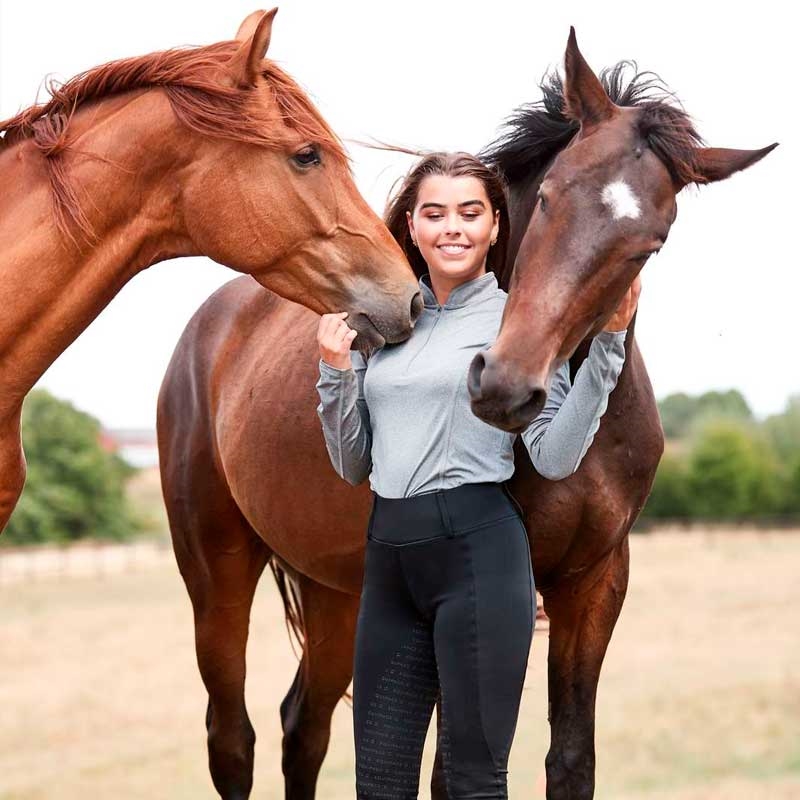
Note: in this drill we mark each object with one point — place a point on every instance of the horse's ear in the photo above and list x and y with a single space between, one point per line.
585 99
254 34
718 163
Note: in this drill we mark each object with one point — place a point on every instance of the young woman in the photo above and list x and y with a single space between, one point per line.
448 600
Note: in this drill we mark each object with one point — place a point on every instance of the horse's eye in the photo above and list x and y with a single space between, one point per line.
542 201
644 256
307 157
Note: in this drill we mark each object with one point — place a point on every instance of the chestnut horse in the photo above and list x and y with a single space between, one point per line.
150 158
247 480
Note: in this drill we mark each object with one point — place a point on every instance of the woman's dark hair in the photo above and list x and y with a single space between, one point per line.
453 165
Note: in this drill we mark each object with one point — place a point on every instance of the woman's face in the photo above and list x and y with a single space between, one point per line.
453 225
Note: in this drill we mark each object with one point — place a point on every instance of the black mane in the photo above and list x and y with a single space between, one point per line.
535 132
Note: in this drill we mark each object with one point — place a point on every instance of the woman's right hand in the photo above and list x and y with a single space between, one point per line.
334 337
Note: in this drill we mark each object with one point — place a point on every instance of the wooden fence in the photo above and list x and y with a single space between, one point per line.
86 559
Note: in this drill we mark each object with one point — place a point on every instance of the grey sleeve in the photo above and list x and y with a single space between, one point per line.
345 418
559 437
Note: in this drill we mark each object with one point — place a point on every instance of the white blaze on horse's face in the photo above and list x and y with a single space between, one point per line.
619 197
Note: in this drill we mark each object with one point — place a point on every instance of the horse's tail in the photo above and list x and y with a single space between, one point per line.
293 611
292 607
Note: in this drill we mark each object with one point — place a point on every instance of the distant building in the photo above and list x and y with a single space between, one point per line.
136 446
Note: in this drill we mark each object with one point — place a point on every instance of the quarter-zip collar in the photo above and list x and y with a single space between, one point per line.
467 293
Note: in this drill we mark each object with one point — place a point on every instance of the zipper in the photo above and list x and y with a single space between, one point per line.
433 327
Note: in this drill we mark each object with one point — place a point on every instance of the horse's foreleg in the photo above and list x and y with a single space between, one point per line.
582 617
329 619
12 468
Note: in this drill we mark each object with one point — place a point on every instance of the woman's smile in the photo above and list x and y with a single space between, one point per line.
454 249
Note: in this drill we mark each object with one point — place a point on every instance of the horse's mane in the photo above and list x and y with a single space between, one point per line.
201 102
537 131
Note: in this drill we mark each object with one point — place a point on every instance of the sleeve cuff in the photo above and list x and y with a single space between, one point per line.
326 369
607 337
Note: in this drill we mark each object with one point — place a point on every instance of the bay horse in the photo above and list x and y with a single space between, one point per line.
209 151
247 480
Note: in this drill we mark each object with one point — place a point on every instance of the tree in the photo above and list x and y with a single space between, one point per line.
783 431
680 413
729 404
732 472
791 488
669 497
677 411
74 488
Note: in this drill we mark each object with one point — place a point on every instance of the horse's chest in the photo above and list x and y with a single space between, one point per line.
573 523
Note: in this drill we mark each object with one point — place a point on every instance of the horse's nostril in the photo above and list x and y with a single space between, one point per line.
416 306
531 408
474 375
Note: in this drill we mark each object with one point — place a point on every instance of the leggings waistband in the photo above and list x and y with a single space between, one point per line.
446 512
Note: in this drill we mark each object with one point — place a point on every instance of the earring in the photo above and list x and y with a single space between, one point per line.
414 242
493 243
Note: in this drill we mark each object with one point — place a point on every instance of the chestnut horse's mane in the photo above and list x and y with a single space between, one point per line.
536 132
201 102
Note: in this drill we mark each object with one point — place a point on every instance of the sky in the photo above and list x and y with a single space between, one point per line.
719 305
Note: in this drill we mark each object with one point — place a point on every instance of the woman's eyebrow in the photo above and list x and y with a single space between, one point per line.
460 205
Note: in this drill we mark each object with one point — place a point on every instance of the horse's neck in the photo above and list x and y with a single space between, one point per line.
523 200
50 289
521 203
627 381
627 385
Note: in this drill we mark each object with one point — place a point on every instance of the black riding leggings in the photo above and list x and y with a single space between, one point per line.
448 604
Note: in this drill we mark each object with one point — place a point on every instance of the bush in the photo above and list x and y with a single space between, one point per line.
669 497
791 489
732 473
74 488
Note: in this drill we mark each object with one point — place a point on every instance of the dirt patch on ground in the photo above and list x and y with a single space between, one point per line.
699 698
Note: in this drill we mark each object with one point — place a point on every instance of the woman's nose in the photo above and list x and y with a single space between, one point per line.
452 224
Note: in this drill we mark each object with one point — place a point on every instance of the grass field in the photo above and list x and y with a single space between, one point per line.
699 697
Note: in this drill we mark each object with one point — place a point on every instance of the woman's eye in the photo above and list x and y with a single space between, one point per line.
307 157
471 216
434 216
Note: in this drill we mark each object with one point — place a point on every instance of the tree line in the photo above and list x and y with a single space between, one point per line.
720 463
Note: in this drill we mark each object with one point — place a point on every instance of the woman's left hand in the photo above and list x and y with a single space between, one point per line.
622 317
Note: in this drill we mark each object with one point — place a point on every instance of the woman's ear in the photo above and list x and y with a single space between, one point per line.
496 226
410 221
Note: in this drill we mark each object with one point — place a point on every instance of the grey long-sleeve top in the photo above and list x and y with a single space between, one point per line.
403 417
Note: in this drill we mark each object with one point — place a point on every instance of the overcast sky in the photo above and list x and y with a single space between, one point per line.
719 306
